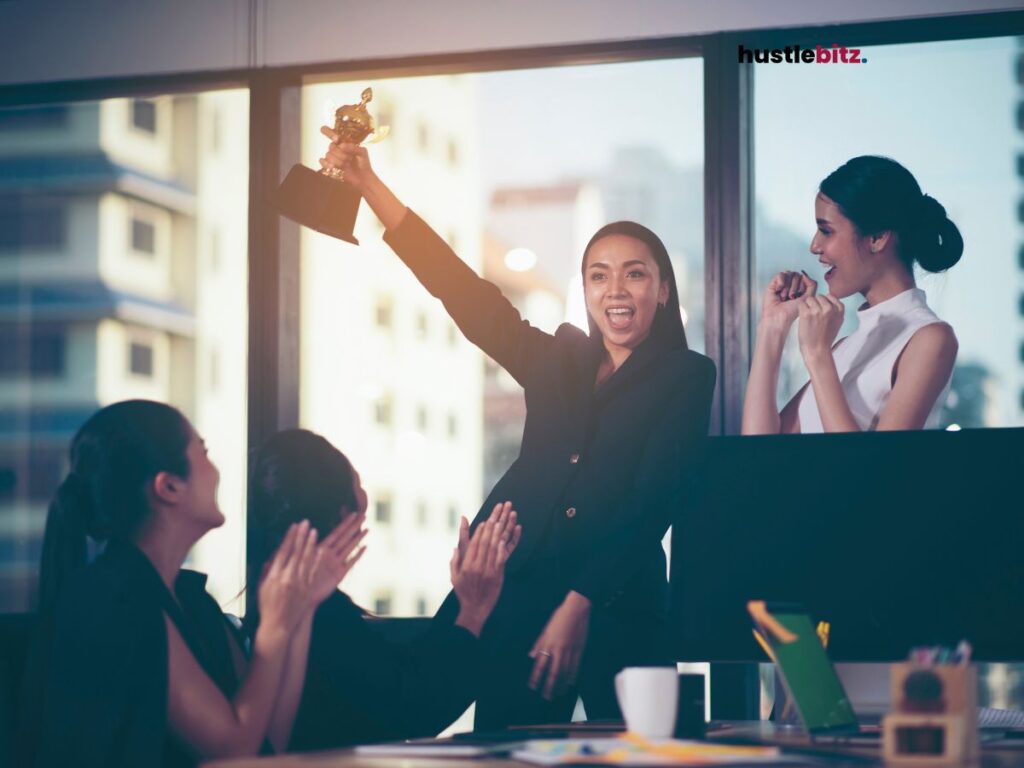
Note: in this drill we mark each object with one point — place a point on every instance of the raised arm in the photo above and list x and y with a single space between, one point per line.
340 550
198 713
779 309
480 310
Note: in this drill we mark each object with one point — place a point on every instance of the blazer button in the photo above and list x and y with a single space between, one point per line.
570 512
574 458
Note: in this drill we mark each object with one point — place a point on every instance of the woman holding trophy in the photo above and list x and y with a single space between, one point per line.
614 418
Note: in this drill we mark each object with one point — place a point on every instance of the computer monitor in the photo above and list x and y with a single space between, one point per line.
897 539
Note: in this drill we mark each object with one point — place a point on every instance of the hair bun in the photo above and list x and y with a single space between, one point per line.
938 244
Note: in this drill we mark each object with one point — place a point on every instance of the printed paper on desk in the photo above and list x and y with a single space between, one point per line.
630 750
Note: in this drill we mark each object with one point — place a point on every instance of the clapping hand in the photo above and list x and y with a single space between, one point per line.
284 591
478 565
337 554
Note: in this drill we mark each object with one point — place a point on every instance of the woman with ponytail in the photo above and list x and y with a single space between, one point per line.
135 663
893 372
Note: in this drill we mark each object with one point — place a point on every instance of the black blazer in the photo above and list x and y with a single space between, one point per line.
95 688
361 688
599 473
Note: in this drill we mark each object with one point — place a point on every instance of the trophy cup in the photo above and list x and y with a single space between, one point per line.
321 200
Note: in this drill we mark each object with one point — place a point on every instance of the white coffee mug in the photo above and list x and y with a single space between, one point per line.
648 697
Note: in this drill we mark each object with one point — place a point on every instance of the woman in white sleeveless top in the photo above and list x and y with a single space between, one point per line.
893 372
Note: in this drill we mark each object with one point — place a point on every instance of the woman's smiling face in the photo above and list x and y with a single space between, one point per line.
623 288
842 250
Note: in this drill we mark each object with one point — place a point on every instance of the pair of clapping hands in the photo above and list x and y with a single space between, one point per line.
304 572
794 295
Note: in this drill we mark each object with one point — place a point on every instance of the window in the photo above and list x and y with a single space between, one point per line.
144 115
421 514
32 223
34 118
421 606
215 130
550 200
382 605
143 236
111 322
38 352
383 313
382 509
382 412
929 106
140 359
31 475
215 257
214 370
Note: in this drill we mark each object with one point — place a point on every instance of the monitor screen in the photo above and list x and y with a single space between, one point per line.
897 539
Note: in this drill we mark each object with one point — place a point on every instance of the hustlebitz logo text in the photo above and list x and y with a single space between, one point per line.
795 54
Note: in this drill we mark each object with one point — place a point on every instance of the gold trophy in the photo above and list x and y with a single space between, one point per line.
322 200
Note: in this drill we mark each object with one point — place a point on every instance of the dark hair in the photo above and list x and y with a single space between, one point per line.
296 475
667 325
113 457
879 194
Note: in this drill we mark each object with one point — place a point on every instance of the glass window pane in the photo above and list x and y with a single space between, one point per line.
516 170
949 112
85 188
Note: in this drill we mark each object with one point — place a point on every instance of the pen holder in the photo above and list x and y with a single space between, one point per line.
934 721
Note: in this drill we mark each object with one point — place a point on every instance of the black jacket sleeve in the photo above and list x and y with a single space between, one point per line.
480 310
658 487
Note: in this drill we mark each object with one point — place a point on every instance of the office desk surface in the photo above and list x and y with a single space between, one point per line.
349 759
991 758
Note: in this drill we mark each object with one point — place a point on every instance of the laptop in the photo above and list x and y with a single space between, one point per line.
791 640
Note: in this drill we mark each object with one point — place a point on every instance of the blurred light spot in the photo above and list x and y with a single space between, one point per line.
520 259
953 428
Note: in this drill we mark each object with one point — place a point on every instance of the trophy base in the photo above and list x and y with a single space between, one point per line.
319 202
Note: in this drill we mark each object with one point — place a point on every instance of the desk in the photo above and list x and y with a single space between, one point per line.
991 758
346 758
